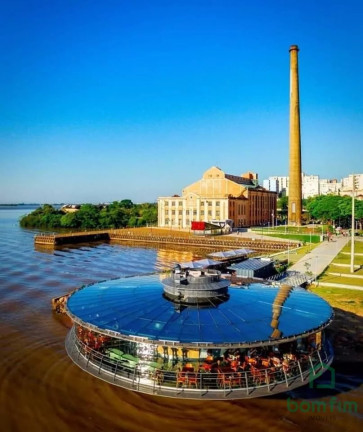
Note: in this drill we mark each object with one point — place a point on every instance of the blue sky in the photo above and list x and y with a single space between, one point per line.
105 100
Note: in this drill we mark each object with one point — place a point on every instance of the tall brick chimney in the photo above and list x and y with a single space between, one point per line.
295 194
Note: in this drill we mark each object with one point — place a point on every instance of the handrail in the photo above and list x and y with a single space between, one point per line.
145 378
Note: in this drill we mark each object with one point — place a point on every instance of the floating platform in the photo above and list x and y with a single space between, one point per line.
71 238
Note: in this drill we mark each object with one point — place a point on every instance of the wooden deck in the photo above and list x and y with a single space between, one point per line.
159 237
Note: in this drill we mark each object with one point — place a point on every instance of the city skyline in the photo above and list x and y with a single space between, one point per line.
107 101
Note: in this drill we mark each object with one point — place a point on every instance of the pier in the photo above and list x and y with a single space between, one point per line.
71 238
161 237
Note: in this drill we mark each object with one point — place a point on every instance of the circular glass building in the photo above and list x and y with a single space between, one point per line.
191 335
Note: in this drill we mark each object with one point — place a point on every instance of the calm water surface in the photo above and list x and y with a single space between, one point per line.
42 390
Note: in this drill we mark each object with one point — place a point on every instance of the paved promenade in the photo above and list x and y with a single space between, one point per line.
319 258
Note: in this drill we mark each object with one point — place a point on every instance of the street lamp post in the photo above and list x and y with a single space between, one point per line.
288 253
352 230
316 269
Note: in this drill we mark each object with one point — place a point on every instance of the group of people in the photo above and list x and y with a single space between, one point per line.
91 339
234 360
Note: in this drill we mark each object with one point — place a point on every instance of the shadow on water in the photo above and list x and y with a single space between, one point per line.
345 374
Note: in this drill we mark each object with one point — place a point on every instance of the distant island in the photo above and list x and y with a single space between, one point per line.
118 214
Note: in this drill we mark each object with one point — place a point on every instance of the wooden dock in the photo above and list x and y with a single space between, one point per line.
71 238
159 237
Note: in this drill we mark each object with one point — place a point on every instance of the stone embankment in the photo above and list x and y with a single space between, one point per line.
155 236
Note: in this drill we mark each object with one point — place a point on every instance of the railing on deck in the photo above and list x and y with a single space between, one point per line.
146 379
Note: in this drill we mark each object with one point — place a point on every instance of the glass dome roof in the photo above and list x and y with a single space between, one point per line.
135 306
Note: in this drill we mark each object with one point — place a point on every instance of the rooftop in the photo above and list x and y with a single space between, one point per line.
135 307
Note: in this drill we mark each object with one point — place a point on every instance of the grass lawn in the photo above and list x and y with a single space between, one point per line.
346 330
345 259
347 327
317 229
348 300
295 255
344 270
341 280
358 247
299 237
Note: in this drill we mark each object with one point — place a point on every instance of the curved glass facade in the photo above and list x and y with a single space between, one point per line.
136 307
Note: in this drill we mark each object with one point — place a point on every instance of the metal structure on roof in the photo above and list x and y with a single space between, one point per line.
203 263
251 264
231 254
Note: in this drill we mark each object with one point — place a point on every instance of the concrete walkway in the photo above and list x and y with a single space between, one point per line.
319 258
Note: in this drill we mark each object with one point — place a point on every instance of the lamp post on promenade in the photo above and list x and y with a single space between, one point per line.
352 230
288 253
316 269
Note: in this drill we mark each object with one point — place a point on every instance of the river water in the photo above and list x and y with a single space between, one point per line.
42 390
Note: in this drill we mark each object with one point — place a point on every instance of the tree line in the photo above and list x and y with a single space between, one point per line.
119 214
333 209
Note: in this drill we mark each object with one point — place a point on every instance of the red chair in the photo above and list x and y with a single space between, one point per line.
265 363
192 380
256 375
222 380
235 380
182 379
234 365
207 367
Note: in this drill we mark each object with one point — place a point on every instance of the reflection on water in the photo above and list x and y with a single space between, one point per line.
42 390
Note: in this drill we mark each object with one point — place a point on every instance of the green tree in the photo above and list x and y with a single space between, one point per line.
89 216
116 215
282 203
126 203
70 220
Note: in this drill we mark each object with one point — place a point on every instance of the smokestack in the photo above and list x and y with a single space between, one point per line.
295 195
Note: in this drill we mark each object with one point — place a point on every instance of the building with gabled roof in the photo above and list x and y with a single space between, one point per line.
219 196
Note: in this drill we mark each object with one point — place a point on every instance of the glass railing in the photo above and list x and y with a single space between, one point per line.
145 377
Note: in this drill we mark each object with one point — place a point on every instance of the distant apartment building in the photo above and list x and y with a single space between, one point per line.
330 187
218 196
277 184
347 185
312 185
